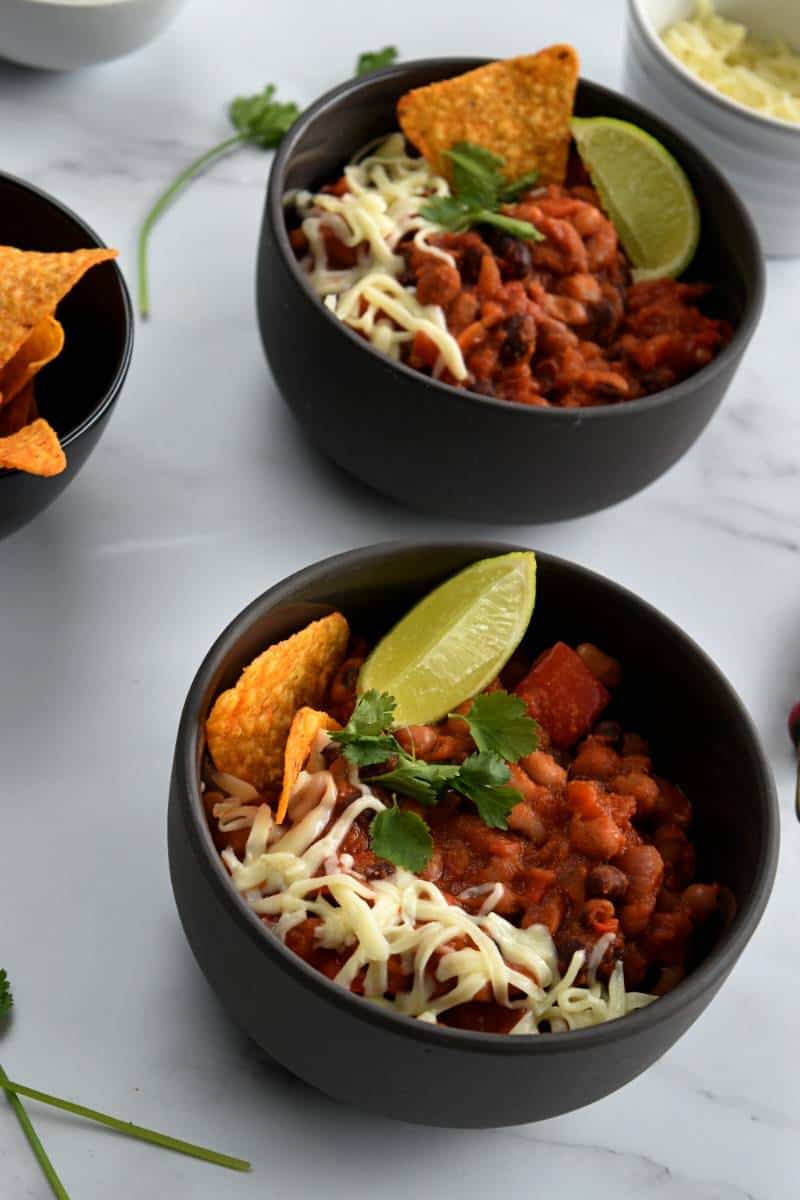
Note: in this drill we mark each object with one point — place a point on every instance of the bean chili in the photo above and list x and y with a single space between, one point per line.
598 849
551 323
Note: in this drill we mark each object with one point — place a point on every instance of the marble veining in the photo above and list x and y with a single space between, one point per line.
201 495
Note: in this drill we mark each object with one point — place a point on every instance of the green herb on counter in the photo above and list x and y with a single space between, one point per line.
14 1090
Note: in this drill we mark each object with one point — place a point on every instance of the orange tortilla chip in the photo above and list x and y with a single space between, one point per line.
35 449
32 284
22 410
519 109
305 726
249 724
45 343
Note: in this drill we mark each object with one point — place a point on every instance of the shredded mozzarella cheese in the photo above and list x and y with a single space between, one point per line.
288 874
762 75
387 189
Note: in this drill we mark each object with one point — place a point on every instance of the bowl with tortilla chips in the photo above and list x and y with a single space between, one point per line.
66 337
255 708
381 357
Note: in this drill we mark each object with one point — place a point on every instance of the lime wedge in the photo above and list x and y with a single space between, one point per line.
454 642
644 191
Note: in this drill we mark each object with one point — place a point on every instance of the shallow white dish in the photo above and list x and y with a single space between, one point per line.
759 154
61 35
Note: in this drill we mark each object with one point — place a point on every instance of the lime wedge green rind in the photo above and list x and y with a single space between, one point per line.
645 192
454 642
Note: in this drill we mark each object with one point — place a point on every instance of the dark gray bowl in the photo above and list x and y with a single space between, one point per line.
76 392
394 1065
448 451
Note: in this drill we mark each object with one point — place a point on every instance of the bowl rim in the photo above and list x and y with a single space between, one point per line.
123 365
190 744
331 99
703 90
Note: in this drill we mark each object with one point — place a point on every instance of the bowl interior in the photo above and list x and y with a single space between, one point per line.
348 119
769 19
702 738
96 314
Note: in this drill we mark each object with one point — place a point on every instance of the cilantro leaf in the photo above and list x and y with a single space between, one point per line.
518 229
499 722
363 739
6 998
481 779
402 838
372 715
448 211
367 751
512 191
260 119
373 60
418 779
479 189
476 174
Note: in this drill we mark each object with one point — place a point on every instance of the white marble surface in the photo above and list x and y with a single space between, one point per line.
200 496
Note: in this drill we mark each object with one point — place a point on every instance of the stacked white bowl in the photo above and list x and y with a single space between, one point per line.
759 154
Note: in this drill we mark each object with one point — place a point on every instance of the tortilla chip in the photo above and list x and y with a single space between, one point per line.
35 449
305 727
45 343
519 109
18 412
32 284
249 724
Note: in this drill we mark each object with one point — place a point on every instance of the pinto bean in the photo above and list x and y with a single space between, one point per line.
595 760
598 837
523 819
438 283
606 881
643 789
417 739
544 770
701 900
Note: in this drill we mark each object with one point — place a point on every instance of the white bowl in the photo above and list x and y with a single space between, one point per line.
61 35
759 154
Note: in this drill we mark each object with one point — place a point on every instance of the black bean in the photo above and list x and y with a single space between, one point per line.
519 341
514 254
470 264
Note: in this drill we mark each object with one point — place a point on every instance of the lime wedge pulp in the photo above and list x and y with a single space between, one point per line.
455 640
644 191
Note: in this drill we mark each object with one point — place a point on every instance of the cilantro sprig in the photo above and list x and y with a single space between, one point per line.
501 731
373 60
14 1090
260 120
401 837
498 721
478 190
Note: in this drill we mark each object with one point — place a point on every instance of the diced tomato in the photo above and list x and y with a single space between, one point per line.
563 695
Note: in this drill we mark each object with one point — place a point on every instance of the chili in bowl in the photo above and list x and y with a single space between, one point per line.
438 445
625 884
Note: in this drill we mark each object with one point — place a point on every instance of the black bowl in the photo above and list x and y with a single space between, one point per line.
400 1067
445 450
77 391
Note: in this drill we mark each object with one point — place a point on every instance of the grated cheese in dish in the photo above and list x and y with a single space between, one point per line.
286 869
387 189
761 75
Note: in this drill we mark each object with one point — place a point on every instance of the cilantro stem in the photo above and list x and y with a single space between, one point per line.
36 1146
14 1089
163 202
